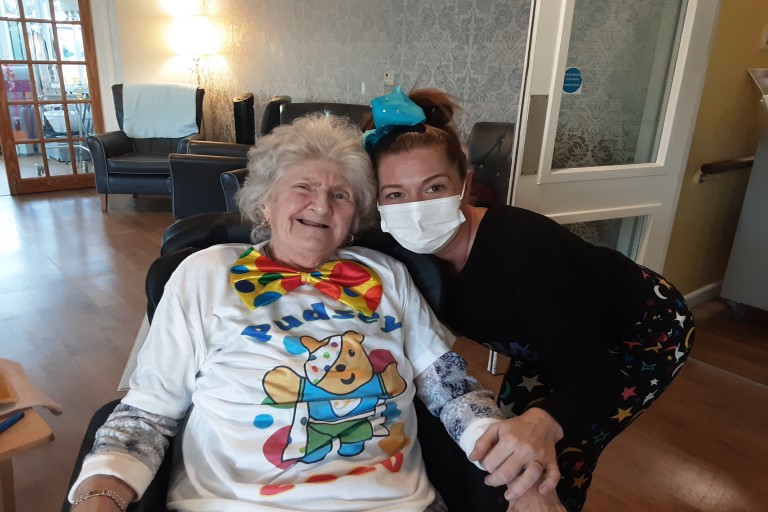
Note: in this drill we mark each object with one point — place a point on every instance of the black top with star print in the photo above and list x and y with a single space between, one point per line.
534 289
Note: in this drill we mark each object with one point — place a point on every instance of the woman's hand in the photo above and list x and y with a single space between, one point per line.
518 452
533 501
102 503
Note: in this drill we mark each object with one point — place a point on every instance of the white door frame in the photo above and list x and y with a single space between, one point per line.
597 193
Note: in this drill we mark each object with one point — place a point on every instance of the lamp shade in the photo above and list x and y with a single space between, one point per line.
192 35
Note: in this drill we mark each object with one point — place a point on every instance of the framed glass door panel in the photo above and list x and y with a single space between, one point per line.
26 121
47 81
18 86
71 42
609 102
66 12
47 107
12 46
37 9
9 9
75 78
40 36
625 54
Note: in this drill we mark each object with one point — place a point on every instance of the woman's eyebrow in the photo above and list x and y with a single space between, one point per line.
423 182
385 187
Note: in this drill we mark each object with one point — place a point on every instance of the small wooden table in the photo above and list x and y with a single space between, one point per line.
29 432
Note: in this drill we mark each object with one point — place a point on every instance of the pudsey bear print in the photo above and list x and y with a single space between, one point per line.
341 399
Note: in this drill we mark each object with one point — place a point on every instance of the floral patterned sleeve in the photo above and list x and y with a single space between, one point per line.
453 396
136 432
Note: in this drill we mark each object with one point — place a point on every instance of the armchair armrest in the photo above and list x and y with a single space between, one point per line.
271 115
181 147
204 230
195 184
206 147
110 144
104 146
231 182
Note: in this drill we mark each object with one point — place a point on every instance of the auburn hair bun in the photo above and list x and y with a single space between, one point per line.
438 106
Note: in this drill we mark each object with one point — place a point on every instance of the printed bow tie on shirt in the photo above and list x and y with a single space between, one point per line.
260 281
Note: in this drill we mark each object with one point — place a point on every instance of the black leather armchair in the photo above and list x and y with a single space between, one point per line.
490 155
281 110
195 176
200 177
124 165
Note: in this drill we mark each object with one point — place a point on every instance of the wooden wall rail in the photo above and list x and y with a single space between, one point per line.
713 170
727 165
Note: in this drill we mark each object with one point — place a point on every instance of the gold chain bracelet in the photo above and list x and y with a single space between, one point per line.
109 493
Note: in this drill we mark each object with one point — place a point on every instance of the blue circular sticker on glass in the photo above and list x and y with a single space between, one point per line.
572 81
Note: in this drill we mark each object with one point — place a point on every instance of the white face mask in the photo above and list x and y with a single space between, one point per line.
424 227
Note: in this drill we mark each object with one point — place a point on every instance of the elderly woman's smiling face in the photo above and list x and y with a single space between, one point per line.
310 209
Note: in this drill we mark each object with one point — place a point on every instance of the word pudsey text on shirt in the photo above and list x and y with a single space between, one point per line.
319 312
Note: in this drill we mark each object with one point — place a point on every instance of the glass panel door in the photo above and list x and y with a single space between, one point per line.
607 113
621 60
49 101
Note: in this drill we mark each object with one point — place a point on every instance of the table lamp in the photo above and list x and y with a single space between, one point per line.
193 36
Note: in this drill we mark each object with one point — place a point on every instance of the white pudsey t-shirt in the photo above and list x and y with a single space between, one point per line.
263 433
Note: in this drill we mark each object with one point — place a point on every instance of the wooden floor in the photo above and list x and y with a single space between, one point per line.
72 299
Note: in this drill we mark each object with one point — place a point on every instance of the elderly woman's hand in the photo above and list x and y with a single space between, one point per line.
532 501
520 451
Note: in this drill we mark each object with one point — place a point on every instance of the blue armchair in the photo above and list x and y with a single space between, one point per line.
125 165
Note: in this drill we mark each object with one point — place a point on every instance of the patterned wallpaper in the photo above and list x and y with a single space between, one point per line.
604 233
338 50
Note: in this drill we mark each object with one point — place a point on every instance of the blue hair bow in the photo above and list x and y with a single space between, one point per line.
389 112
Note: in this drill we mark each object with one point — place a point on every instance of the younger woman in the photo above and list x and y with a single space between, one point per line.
594 337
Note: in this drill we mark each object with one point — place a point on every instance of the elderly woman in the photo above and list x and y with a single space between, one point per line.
295 361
